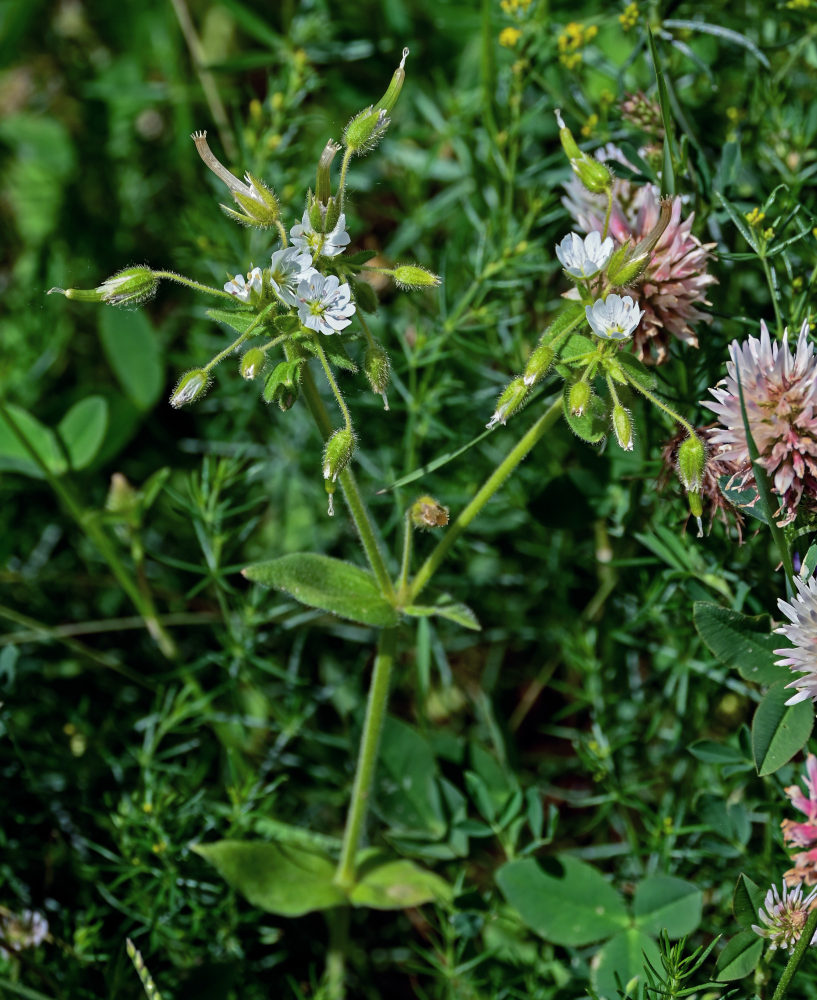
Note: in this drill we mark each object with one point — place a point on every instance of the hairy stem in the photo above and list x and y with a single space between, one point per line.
189 283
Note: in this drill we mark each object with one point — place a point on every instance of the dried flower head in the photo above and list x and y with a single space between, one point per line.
779 389
802 657
674 284
785 916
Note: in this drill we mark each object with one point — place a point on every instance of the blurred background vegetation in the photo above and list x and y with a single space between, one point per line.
587 682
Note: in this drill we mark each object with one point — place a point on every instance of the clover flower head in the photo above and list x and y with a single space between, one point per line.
330 244
785 916
802 659
324 304
613 318
780 397
288 267
22 930
246 291
675 281
584 258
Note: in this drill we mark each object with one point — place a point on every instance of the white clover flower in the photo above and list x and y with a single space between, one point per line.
330 244
584 258
785 916
249 290
802 613
614 318
324 304
22 930
288 267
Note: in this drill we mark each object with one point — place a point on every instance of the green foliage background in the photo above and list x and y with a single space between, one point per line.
588 682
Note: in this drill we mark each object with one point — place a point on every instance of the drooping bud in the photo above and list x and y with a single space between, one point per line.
324 209
510 400
128 287
260 205
623 427
323 188
252 363
409 276
377 367
595 176
629 262
578 398
368 127
538 364
337 453
691 463
426 512
191 385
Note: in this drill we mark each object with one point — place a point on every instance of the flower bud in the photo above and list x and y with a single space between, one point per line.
367 128
122 497
623 427
260 205
595 176
691 463
425 512
510 400
191 385
578 398
252 363
337 453
410 276
283 384
128 287
377 368
538 364
323 208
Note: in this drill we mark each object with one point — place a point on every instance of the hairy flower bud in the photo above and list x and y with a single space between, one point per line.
410 276
691 463
510 400
538 364
337 453
377 367
629 262
426 512
578 398
368 127
623 427
252 362
191 386
595 176
260 205
128 287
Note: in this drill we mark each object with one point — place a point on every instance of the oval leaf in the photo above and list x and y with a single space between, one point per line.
746 901
328 584
459 613
663 903
14 456
82 430
779 731
740 956
574 905
389 884
132 348
285 879
740 642
621 960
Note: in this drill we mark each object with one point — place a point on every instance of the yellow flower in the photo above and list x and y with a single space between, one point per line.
509 37
755 217
589 125
629 16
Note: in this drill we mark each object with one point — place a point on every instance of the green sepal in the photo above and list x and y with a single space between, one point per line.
365 296
445 608
285 377
592 425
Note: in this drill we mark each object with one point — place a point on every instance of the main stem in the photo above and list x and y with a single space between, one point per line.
351 493
367 758
483 495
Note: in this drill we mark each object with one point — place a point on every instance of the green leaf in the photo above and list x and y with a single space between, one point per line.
576 347
712 752
745 498
14 456
740 642
445 608
740 222
334 351
729 166
435 463
239 320
779 731
664 903
285 879
384 883
591 426
82 430
740 956
572 905
286 375
407 794
727 34
358 259
637 373
328 584
747 899
668 162
132 348
623 958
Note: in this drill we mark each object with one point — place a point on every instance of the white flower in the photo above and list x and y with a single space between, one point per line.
802 613
304 237
785 916
288 268
584 258
614 318
22 930
324 304
249 290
